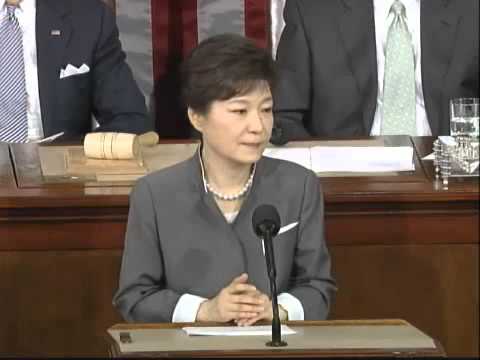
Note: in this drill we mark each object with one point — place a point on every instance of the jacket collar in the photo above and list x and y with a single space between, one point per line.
198 175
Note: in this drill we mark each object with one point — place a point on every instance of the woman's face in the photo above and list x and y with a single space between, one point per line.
238 129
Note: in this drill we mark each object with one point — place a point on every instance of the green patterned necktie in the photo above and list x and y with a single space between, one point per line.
399 81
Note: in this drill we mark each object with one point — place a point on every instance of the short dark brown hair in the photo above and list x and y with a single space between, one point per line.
222 67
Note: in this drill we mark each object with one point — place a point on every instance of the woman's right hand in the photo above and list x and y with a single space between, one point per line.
238 300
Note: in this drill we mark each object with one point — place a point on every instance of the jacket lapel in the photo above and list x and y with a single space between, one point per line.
53 32
243 230
237 233
438 29
357 29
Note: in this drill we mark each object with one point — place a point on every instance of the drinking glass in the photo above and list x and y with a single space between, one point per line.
464 117
464 128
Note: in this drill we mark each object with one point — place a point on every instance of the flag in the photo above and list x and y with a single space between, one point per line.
157 34
277 23
135 26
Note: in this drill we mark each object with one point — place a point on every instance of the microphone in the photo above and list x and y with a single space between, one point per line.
266 224
279 136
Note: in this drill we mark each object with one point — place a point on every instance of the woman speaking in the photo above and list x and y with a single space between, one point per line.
191 253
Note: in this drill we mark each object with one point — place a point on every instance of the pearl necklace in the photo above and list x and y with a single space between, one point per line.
236 196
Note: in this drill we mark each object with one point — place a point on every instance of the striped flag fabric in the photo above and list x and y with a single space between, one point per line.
277 23
158 34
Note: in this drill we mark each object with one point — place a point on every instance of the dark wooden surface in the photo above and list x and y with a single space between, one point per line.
7 178
438 351
402 247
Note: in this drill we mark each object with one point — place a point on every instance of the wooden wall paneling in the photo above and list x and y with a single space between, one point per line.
60 301
434 287
57 303
398 228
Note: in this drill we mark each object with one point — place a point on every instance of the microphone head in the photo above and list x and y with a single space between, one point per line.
265 218
279 136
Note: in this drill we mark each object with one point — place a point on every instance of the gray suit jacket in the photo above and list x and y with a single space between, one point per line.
178 241
328 65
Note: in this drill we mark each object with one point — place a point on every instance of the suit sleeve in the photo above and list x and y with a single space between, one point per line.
312 283
292 92
142 295
118 103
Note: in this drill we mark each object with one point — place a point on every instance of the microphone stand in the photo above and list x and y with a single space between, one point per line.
270 259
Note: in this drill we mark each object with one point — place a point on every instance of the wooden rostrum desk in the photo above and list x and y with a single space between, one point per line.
401 246
338 338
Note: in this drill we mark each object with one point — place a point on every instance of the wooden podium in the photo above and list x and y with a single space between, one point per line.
396 242
372 338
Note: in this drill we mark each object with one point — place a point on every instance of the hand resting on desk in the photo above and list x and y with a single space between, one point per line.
239 302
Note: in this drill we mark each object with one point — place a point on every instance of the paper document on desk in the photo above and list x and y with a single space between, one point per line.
235 330
362 159
300 155
348 159
447 140
429 157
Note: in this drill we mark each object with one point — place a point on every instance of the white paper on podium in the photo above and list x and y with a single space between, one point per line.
300 155
362 159
429 157
236 330
447 140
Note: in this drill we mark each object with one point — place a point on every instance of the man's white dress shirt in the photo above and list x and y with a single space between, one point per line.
383 19
25 14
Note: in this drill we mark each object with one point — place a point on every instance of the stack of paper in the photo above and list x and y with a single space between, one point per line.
362 159
348 159
235 330
300 155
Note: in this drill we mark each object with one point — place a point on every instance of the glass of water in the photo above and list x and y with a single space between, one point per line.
464 117
464 128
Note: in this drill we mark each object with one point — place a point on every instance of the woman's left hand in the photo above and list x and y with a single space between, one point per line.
266 315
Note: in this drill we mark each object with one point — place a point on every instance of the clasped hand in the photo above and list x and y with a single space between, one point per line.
240 302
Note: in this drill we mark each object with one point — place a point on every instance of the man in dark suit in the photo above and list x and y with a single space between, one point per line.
73 68
332 63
